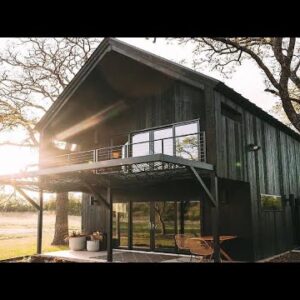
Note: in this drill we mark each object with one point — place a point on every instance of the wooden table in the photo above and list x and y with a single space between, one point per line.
222 238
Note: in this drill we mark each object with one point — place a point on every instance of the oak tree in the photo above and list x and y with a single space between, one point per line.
33 72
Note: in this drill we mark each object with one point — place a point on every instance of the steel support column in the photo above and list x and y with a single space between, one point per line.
215 218
109 225
40 224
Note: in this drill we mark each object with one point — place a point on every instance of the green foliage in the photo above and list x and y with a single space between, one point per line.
16 204
187 147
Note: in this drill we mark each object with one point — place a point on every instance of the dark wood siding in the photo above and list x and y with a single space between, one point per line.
230 143
274 169
180 102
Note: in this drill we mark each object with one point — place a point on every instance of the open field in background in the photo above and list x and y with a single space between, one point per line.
18 233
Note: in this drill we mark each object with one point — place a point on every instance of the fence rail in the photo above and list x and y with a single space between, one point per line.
189 146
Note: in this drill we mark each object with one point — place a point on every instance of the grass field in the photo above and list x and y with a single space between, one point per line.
18 233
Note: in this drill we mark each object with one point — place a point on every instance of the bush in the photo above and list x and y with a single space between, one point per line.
15 205
20 205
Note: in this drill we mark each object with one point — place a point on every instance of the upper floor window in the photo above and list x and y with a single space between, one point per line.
62 145
181 139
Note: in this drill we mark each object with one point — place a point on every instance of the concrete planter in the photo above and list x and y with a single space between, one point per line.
77 243
93 245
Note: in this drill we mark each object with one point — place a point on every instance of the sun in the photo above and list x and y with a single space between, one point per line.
15 159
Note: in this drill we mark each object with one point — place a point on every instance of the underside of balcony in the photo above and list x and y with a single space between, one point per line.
117 173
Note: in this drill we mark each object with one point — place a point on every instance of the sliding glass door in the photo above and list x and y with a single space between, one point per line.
153 225
165 225
121 224
141 225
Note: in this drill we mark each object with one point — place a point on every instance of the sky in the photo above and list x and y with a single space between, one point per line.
247 80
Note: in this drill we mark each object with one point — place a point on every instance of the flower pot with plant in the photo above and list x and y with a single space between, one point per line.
94 243
76 241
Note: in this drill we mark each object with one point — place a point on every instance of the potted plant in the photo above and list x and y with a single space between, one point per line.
94 243
76 241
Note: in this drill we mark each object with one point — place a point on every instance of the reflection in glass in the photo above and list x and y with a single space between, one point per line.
141 224
271 202
120 224
191 213
163 141
142 148
165 217
187 141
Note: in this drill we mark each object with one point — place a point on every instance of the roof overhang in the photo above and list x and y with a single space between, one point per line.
164 66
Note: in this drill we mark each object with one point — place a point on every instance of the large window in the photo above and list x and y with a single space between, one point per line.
163 141
187 141
180 139
140 144
120 224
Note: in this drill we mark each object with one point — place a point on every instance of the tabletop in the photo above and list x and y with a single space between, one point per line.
211 238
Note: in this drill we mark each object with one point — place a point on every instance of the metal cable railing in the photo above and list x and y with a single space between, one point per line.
189 146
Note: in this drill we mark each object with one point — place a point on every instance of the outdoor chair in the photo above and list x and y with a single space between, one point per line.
200 249
182 241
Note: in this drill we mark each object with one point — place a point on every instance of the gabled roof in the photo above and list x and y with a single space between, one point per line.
162 65
156 62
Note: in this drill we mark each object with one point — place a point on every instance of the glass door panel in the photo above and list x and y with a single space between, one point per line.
165 227
120 224
141 225
163 141
191 217
187 141
140 144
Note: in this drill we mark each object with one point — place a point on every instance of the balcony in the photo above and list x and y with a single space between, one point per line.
187 146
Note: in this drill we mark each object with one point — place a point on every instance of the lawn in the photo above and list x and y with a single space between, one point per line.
18 233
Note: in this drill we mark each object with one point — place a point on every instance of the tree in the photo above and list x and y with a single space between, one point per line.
160 211
33 72
278 59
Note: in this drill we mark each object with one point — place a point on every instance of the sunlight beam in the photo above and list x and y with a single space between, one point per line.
99 117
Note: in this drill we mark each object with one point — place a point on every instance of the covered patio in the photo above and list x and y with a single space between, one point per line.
109 175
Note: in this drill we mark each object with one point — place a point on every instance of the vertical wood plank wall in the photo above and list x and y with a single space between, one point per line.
274 169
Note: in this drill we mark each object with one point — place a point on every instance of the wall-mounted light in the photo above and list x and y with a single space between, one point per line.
94 201
253 147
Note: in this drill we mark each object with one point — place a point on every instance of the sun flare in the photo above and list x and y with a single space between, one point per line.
15 159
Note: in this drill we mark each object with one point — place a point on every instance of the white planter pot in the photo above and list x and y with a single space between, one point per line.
77 243
92 245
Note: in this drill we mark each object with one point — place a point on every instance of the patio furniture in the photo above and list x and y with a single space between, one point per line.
182 241
209 239
200 249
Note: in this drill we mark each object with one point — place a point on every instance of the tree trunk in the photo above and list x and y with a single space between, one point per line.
61 221
160 216
290 111
163 225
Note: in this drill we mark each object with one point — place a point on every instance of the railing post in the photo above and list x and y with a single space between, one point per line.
204 146
40 223
199 146
162 146
95 155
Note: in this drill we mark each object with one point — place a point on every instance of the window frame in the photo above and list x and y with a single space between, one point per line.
151 131
268 209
